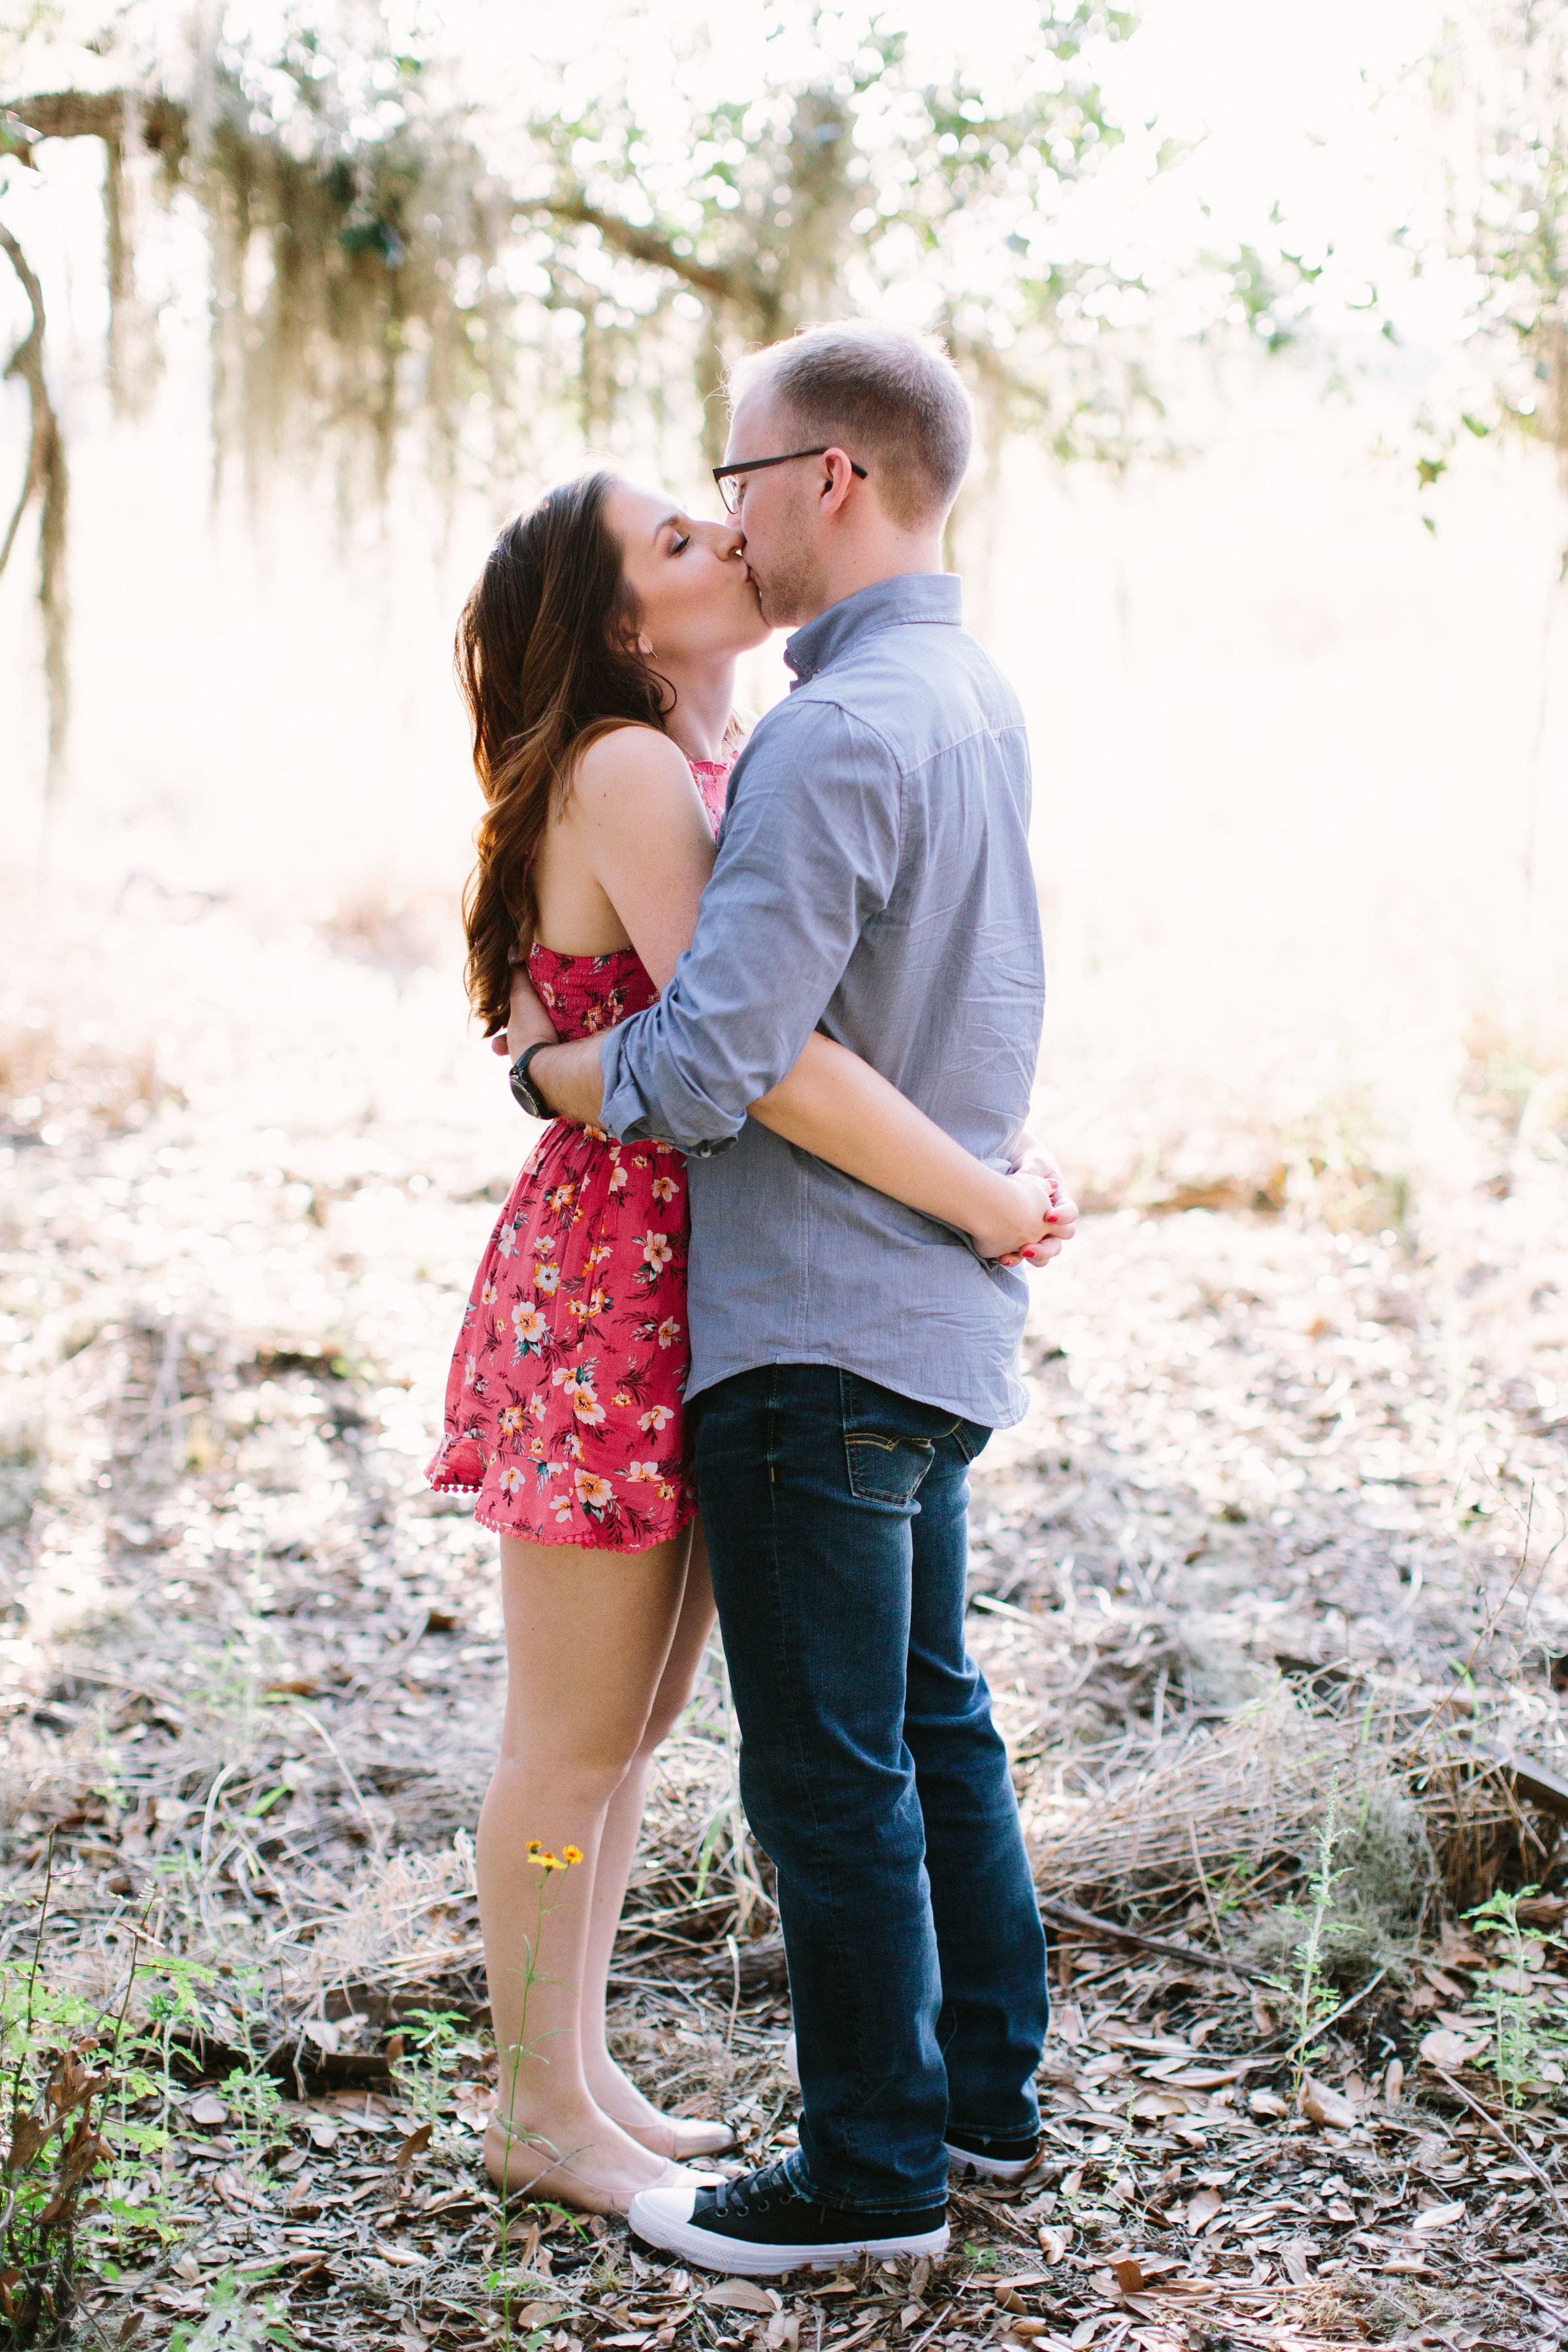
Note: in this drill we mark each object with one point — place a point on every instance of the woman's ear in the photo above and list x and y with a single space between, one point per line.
644 645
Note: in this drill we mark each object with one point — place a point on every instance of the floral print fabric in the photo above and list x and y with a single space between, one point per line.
563 1403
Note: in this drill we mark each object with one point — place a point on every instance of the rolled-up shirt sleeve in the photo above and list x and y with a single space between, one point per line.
808 857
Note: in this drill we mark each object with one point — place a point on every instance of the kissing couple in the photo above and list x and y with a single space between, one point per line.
753 1305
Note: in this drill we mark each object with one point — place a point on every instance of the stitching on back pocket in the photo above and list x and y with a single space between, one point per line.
885 1469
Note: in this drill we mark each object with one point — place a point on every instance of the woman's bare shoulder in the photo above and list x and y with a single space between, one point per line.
631 777
629 755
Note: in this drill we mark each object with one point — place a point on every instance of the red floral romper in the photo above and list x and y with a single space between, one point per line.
563 1403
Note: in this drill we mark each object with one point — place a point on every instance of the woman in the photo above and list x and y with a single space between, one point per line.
597 655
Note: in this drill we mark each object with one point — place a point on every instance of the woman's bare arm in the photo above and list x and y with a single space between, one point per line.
637 818
836 1105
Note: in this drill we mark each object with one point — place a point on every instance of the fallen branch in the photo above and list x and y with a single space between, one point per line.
1088 1923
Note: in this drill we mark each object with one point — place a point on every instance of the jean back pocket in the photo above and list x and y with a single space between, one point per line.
889 1441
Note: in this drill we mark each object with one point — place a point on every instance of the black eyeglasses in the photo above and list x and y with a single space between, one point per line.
755 465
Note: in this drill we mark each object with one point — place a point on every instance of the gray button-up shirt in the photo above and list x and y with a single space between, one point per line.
873 880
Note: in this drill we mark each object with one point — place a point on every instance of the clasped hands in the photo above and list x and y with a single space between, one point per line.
1046 1213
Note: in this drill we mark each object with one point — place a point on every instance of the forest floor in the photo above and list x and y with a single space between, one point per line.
1266 1585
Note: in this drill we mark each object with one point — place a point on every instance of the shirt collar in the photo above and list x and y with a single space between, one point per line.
911 596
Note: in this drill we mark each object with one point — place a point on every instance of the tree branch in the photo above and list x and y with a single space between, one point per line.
101 114
643 244
165 127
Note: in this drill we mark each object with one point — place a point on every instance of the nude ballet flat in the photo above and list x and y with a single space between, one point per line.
681 2138
546 2178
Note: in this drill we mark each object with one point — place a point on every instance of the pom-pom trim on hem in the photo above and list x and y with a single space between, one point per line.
590 1542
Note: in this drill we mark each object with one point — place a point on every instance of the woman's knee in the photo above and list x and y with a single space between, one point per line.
586 1757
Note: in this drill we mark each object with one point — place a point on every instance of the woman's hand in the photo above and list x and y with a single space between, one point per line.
1030 1158
530 1024
1017 1220
1033 1167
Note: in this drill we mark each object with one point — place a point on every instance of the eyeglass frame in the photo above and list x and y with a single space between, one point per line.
755 465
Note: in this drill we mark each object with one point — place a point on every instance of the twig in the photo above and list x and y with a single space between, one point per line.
939 2321
1520 2287
213 1794
868 2327
138 1935
1343 2010
734 1950
995 2216
1203 1881
38 1939
323 1734
769 2128
1491 2124
1089 1923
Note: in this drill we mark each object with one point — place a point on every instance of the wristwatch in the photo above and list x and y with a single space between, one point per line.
523 1090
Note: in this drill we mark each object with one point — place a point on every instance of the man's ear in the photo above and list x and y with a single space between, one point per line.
839 480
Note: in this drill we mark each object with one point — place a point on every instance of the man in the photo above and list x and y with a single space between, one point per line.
849 1357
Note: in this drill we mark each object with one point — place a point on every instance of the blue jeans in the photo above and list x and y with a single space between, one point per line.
871 1772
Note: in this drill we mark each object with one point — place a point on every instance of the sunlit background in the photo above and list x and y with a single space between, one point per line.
1266 526
1263 313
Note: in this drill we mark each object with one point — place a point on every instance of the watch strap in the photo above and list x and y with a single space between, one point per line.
523 1090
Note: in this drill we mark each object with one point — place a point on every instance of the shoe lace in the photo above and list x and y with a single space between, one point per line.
754 2193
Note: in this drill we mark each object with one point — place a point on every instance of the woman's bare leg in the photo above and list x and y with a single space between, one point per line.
613 2092
588 1634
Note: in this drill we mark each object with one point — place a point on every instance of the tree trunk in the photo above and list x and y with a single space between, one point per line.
46 480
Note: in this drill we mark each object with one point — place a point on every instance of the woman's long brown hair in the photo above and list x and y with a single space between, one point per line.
547 662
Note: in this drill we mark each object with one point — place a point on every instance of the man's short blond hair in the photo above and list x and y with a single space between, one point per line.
889 397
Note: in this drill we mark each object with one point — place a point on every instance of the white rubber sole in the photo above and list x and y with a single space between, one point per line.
651 2217
970 2167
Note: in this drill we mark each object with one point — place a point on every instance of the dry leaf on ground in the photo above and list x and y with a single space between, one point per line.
740 2294
1322 2105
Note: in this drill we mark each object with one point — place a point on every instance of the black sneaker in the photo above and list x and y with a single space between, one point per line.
761 2224
991 2155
